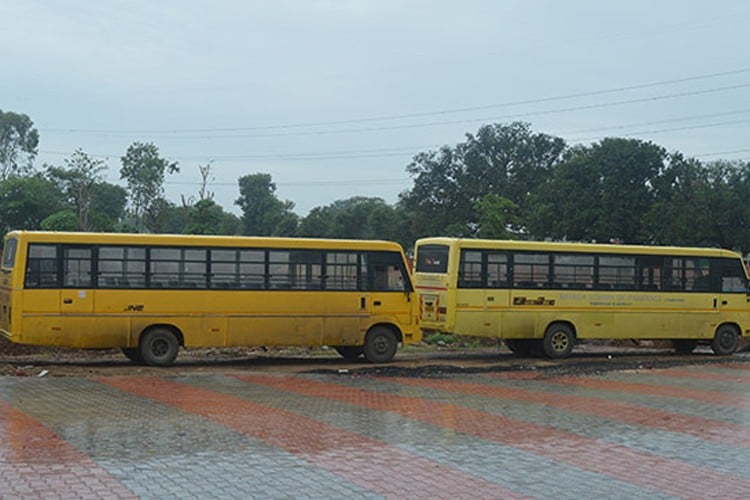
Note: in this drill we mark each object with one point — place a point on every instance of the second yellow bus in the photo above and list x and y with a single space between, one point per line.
544 297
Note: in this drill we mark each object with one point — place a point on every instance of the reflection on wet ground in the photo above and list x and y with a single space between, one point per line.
679 431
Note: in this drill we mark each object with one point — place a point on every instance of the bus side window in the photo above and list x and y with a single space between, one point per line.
77 265
41 270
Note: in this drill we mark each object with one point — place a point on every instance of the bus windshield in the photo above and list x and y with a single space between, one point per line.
432 259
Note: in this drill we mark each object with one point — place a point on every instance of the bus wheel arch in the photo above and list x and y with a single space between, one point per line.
726 339
158 345
381 343
559 339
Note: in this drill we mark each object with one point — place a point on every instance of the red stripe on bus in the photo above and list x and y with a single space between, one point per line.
437 288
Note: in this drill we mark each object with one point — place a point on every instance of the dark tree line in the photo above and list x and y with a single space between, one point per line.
504 181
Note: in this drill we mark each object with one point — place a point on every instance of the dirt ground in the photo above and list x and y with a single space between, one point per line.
413 360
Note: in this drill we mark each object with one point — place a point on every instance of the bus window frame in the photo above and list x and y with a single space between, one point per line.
10 251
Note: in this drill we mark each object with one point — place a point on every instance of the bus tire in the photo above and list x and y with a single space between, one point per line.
133 354
158 347
559 340
350 351
684 346
380 345
726 340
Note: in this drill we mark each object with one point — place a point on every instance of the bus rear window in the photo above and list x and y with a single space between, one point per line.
9 253
432 259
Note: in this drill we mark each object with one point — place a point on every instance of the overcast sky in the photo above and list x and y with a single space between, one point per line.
334 98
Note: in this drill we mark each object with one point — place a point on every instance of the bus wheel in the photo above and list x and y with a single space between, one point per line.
380 345
558 340
684 346
158 347
133 354
350 351
726 340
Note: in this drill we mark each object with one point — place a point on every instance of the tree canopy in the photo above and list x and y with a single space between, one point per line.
145 171
504 181
263 213
18 144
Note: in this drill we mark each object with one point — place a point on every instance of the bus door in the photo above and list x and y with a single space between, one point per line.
732 303
480 297
389 289
77 294
41 296
701 304
345 300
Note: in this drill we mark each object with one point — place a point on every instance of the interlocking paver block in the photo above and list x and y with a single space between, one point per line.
641 468
639 434
34 462
492 461
373 465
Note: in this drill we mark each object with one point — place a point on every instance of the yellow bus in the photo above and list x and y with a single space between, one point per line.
542 297
149 294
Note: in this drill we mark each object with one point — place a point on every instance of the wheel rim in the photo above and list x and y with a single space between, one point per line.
381 344
726 340
160 348
559 341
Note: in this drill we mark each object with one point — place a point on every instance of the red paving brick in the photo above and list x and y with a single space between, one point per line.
705 428
635 467
738 378
36 463
703 396
374 465
736 366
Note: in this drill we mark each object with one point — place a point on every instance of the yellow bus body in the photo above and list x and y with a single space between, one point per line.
102 311
654 302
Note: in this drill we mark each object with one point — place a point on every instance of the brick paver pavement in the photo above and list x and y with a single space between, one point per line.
668 433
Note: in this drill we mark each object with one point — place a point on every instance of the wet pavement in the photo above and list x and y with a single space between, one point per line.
651 433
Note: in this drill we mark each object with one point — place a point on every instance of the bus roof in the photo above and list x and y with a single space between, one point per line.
552 246
199 240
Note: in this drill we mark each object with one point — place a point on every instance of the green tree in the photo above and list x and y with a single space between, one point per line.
108 207
172 218
79 181
18 144
206 217
358 217
145 171
600 192
683 211
26 201
263 214
496 217
729 214
509 161
66 220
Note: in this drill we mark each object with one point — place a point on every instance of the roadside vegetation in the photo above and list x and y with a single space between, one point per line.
502 181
